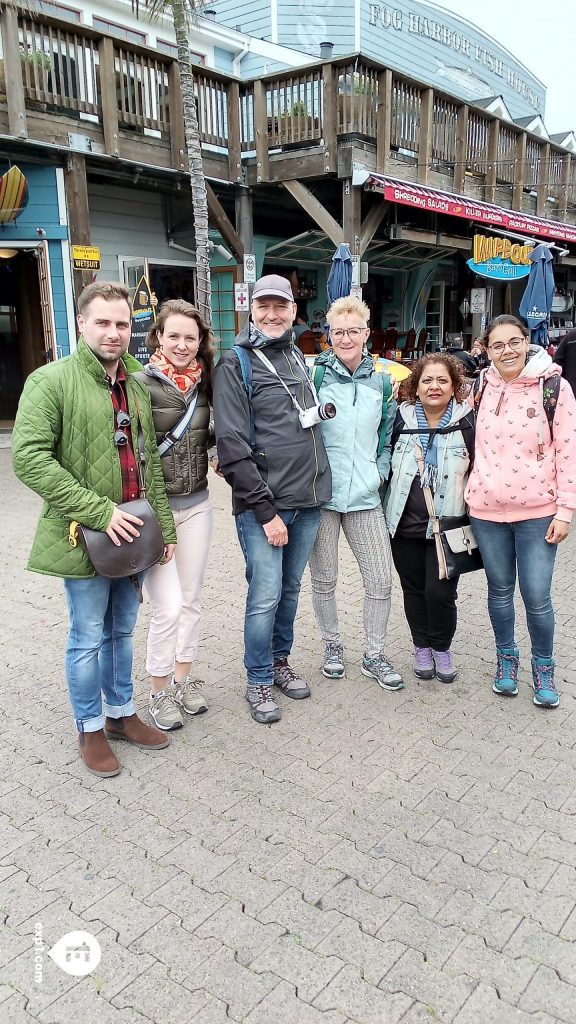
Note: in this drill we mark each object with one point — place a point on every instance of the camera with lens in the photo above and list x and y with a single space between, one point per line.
317 413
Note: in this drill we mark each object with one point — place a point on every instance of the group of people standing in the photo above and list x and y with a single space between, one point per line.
307 457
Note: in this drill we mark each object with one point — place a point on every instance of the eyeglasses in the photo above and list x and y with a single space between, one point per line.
120 436
353 333
514 343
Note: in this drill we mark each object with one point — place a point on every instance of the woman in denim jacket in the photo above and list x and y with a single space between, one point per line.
434 418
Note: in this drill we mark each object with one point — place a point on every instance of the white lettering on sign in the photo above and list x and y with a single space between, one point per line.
415 24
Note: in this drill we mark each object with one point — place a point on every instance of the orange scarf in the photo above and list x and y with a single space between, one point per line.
185 380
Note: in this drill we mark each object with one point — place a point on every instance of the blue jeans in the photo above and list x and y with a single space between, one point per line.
102 616
507 548
274 576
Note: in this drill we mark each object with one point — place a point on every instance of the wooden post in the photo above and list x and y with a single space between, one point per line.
15 99
330 116
78 212
426 128
351 215
108 96
318 213
461 150
518 189
234 138
384 120
244 221
492 169
543 180
177 133
566 182
261 132
220 219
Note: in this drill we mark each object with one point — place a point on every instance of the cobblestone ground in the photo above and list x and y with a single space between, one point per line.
375 858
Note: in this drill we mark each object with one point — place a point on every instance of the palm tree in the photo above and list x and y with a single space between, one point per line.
183 13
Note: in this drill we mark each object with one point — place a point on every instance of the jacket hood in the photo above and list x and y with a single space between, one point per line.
408 413
331 361
246 340
538 364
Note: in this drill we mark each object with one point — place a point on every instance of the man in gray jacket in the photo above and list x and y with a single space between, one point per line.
276 465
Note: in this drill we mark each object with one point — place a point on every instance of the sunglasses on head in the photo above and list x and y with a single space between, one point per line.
120 436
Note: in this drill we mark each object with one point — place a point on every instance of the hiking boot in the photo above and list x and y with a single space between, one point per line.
135 731
164 712
507 664
423 663
545 692
287 680
97 754
333 667
188 697
445 669
263 707
380 669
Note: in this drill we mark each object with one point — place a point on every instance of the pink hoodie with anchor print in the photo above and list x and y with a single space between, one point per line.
519 471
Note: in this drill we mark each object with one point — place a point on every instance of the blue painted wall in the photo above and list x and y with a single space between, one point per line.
42 212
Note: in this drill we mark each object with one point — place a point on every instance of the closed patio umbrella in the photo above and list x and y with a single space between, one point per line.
536 302
339 280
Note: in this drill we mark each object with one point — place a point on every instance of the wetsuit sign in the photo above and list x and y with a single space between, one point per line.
143 318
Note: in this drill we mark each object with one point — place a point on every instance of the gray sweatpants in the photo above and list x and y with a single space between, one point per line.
368 538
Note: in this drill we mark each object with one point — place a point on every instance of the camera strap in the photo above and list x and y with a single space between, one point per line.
272 369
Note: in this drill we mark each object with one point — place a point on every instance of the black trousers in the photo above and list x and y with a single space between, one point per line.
429 603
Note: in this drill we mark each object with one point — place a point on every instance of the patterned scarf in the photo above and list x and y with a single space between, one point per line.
185 380
429 443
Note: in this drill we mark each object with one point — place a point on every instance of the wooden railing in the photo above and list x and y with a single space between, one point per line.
126 90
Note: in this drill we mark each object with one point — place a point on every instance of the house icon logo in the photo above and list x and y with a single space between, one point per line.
76 953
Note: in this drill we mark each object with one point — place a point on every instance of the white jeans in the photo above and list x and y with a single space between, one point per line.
174 590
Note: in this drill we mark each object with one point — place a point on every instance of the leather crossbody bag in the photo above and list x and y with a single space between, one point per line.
456 546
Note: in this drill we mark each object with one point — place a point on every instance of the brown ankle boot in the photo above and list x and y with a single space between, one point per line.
135 731
97 754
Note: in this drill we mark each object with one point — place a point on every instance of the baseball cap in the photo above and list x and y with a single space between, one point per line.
273 285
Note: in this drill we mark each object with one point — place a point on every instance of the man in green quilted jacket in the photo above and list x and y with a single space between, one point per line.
75 443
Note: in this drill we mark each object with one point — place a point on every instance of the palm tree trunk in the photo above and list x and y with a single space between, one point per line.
196 171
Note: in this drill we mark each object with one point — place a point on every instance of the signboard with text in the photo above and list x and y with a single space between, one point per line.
142 320
499 259
86 257
241 298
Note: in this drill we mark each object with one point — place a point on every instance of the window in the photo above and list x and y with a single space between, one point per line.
59 11
435 313
172 50
119 31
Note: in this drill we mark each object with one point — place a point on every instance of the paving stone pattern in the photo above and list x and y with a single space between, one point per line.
374 858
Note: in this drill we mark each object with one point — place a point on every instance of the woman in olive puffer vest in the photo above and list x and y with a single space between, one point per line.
179 379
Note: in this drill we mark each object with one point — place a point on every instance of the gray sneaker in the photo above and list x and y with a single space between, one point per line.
188 697
164 711
287 680
333 667
263 707
380 669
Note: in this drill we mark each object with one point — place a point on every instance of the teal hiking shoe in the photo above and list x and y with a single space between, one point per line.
545 692
506 679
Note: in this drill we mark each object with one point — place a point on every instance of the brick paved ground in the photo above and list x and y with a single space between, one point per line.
376 857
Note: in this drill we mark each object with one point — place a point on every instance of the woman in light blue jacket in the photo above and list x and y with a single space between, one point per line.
357 441
435 422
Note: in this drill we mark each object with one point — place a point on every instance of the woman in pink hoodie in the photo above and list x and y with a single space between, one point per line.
521 494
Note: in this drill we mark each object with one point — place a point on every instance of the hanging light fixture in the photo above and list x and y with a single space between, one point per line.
7 254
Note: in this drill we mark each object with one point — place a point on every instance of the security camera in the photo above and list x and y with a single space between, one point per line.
224 253
40 232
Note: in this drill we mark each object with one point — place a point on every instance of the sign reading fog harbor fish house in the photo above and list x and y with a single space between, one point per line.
499 258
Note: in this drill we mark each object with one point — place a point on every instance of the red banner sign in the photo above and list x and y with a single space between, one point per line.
460 206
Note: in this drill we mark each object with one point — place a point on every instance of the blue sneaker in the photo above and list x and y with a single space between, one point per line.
545 692
506 679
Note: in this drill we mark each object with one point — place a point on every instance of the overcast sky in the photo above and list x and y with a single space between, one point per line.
541 34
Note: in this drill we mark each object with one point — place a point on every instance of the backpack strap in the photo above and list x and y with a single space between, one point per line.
550 399
247 380
318 373
386 398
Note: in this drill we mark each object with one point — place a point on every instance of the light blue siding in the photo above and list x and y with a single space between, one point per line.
223 60
247 16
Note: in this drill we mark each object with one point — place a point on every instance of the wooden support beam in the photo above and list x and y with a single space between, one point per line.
234 139
460 152
352 215
14 85
108 96
519 171
177 133
330 113
244 218
371 223
315 210
426 129
384 120
543 190
492 169
78 212
567 160
261 131
220 219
